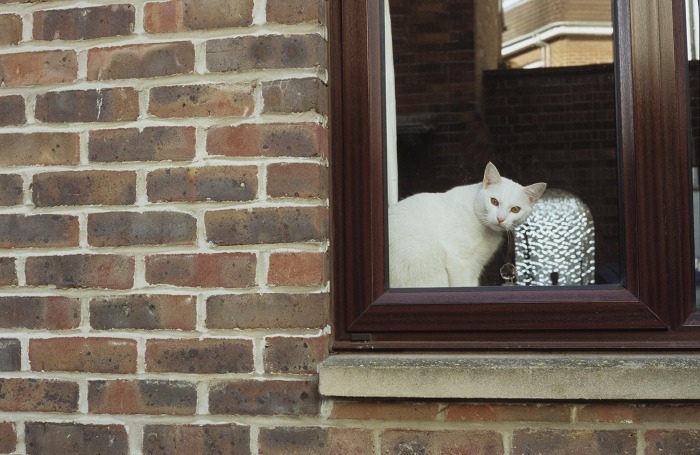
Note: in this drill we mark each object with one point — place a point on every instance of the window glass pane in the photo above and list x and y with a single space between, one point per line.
527 85
693 39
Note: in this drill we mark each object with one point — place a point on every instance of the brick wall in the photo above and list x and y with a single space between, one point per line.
163 250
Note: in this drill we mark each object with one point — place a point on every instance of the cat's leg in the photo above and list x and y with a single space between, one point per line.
462 274
422 272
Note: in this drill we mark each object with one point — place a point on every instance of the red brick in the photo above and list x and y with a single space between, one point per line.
84 188
38 395
10 354
123 396
267 225
297 269
140 61
209 183
299 11
12 108
10 29
561 442
267 397
158 143
439 442
38 231
672 442
368 410
8 274
203 356
84 23
639 413
486 412
316 441
48 313
101 105
229 439
277 311
38 68
294 355
299 140
222 100
149 312
247 53
106 271
183 15
228 270
294 95
11 192
43 149
8 437
306 180
147 228
86 355
43 438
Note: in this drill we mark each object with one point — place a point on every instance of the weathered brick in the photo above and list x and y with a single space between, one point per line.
123 396
438 442
298 140
294 95
101 105
9 354
671 442
228 270
316 441
38 395
247 53
86 355
267 225
38 68
12 108
183 15
298 11
639 412
210 183
307 180
390 410
49 313
560 442
106 271
487 412
140 61
156 143
8 273
199 356
43 149
10 29
297 269
43 438
38 231
84 188
255 311
147 228
149 312
84 23
269 397
8 437
229 439
294 355
10 189
221 100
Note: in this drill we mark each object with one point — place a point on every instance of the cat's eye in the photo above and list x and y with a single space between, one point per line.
515 209
494 201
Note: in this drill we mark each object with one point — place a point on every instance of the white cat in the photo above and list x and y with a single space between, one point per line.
446 239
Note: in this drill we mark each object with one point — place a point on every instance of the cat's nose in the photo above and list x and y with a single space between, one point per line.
500 219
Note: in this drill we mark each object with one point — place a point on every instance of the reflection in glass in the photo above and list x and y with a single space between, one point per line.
461 102
693 40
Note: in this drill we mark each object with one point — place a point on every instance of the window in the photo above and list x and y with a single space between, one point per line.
652 308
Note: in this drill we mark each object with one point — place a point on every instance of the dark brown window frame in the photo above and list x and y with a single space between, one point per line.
653 310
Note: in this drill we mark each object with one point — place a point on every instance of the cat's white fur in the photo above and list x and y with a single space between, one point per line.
446 239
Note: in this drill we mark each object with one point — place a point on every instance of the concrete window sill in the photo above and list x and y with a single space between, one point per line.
560 376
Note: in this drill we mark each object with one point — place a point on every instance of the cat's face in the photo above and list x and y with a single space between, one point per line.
502 204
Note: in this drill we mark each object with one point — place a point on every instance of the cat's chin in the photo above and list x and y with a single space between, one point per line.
497 228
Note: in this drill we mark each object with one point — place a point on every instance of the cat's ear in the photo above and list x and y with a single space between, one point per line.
491 175
534 191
